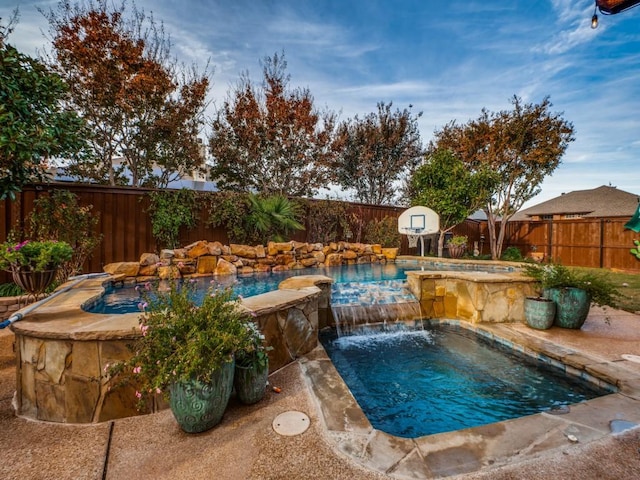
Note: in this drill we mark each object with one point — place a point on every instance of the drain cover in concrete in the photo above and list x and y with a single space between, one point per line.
291 423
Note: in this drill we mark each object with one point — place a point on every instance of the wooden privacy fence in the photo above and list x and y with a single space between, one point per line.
597 243
127 232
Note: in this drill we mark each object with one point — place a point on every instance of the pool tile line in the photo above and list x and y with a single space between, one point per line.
478 448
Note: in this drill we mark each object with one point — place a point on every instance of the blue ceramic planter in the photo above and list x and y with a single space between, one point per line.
572 306
199 406
539 312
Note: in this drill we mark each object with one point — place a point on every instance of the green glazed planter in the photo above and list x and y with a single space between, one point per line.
199 406
250 383
539 312
572 306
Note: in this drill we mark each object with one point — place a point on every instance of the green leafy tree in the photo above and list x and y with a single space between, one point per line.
375 152
141 108
35 125
171 210
522 145
452 190
271 140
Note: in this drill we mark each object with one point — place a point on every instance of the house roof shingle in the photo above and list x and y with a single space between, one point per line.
603 201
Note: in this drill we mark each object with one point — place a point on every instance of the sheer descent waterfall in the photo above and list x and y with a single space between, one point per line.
386 304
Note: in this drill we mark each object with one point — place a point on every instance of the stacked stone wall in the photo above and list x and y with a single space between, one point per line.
213 258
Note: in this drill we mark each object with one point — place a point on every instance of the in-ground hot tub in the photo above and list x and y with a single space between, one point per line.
63 352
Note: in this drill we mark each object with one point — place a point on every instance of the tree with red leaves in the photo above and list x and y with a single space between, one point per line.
271 140
139 109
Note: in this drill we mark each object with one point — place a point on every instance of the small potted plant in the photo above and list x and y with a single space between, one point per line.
573 291
33 264
187 351
252 367
457 245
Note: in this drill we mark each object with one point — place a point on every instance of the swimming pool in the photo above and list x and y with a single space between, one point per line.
446 378
125 299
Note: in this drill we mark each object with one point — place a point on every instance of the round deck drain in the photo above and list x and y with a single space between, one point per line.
291 423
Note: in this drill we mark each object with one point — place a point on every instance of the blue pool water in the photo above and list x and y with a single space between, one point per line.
125 299
446 378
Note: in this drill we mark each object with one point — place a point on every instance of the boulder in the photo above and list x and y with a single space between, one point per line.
262 268
147 259
333 260
272 251
167 254
390 253
243 251
215 248
147 270
260 251
129 269
300 247
376 248
349 255
318 255
225 268
245 271
179 253
309 262
198 249
267 261
278 247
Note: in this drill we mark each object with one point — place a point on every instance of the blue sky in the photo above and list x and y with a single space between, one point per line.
447 59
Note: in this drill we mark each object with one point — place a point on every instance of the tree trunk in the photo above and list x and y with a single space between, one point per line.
441 243
491 227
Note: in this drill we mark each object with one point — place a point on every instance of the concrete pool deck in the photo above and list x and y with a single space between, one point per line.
245 445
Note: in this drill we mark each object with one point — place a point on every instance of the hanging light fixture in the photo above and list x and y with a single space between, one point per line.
594 19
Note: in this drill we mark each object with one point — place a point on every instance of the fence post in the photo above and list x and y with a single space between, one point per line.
601 242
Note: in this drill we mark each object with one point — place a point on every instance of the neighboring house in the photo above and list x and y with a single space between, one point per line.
601 202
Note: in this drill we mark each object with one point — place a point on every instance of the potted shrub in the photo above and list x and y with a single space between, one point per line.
252 367
186 352
32 264
573 291
457 245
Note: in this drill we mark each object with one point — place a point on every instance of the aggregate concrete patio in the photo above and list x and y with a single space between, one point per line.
245 445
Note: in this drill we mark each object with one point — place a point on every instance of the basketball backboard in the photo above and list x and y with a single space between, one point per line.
419 221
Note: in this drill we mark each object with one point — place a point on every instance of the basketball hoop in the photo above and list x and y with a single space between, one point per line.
413 240
413 235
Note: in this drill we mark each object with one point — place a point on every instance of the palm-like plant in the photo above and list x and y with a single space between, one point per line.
273 217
